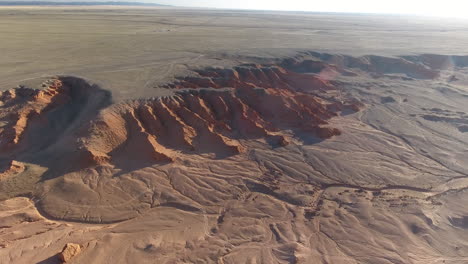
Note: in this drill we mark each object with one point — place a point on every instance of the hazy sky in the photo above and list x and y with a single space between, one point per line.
454 8
457 8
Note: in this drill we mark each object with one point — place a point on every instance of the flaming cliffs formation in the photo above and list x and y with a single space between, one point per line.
249 156
209 113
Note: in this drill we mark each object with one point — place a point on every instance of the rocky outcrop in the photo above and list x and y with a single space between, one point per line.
69 251
417 67
33 119
21 105
254 75
11 168
210 112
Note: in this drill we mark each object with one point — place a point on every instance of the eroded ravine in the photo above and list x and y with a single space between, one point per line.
212 112
245 151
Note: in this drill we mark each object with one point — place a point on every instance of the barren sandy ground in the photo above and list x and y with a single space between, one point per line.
208 136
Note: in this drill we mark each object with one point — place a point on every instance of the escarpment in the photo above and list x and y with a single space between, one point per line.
21 105
255 75
86 141
210 112
254 146
33 119
213 111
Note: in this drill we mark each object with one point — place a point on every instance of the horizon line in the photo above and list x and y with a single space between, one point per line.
33 3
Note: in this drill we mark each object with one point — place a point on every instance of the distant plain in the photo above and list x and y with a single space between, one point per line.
128 50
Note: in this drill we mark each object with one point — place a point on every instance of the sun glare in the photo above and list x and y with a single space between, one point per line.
446 8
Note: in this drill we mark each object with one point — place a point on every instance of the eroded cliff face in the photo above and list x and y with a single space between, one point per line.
22 105
207 113
216 112
258 162
72 128
34 119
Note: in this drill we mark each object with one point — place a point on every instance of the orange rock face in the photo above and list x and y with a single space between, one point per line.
21 105
211 112
252 76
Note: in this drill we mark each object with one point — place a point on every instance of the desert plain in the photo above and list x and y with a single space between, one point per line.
173 135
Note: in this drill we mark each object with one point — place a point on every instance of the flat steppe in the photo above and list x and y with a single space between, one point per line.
128 50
